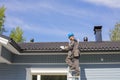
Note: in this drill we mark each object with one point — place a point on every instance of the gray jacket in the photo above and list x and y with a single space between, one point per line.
74 48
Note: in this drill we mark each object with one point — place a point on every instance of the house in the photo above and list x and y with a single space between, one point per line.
100 60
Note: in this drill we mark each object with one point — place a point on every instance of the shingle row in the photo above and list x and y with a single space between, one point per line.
83 46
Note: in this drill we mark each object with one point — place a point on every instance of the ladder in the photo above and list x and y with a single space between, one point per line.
71 75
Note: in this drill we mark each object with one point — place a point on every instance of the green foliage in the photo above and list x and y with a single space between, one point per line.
17 35
2 19
115 33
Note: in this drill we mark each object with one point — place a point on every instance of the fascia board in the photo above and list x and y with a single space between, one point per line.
82 63
65 53
4 60
4 41
12 49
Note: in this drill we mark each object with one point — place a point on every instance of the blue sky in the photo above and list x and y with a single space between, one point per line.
52 20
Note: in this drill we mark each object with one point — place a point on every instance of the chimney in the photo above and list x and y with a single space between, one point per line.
98 34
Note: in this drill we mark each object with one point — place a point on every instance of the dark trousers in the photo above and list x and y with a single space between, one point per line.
73 62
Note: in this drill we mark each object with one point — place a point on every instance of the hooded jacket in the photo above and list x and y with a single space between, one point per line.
74 48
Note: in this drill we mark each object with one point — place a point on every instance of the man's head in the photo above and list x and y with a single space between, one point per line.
71 36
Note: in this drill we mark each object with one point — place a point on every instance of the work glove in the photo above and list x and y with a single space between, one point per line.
62 47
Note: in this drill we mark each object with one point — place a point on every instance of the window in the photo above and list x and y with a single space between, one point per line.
34 77
46 74
49 77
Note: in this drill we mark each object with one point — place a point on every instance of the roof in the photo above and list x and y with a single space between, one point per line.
55 46
83 46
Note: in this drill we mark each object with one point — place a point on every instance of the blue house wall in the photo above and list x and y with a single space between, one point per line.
12 72
100 72
88 71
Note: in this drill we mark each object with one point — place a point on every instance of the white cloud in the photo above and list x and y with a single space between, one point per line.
21 6
12 22
45 7
108 3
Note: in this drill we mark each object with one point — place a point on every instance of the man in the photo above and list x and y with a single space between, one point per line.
73 54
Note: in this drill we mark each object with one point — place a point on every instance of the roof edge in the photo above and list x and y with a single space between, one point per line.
12 42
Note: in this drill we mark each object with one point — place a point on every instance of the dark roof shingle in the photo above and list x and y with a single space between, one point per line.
84 46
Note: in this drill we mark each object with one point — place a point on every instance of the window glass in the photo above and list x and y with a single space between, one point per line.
53 77
50 77
34 77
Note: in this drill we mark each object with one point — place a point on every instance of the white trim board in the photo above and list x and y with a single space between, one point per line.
6 44
3 41
65 53
48 71
4 60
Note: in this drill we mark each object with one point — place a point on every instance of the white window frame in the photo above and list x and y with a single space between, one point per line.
44 71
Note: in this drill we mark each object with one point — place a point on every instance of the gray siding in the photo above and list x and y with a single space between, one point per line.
96 58
6 54
18 72
88 71
12 72
100 72
39 58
